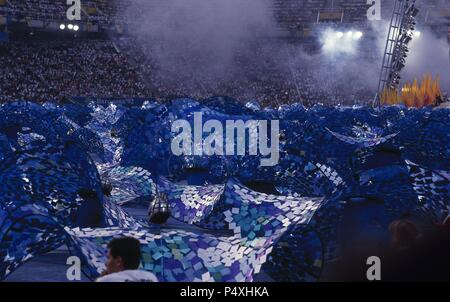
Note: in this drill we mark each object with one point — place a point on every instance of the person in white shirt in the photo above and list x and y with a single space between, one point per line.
122 263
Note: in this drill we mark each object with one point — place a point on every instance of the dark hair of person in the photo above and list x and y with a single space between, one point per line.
129 249
404 232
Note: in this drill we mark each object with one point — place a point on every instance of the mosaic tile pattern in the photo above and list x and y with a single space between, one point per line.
190 204
188 199
178 255
292 247
363 141
424 137
51 158
47 181
25 232
90 140
116 216
101 123
433 190
381 175
130 184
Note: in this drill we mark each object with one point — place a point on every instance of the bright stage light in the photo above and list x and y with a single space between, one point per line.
340 42
358 35
330 44
62 27
76 27
70 26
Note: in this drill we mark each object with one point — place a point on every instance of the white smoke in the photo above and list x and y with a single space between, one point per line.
188 39
198 36
428 53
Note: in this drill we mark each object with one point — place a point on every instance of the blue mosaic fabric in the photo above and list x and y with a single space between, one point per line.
90 140
178 255
54 160
25 232
47 182
195 205
363 138
190 204
433 190
130 184
101 124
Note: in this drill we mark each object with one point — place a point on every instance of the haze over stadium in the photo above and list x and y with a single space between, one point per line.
271 51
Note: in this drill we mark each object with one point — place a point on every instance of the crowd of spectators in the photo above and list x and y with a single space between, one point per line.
291 14
264 71
54 71
44 71
57 70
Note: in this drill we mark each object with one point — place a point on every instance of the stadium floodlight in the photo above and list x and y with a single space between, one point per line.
349 34
62 27
414 11
358 35
417 34
70 26
339 34
405 39
76 27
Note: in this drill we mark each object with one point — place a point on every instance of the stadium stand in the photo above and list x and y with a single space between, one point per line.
124 69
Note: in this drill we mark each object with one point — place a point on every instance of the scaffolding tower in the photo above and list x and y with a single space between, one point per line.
399 35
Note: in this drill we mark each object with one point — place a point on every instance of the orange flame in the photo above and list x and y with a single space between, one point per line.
415 94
